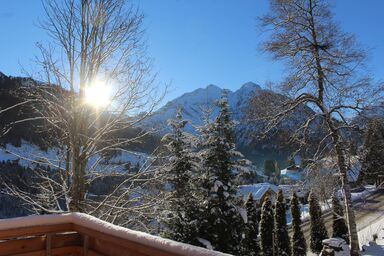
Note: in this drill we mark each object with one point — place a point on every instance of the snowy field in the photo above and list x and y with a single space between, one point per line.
29 155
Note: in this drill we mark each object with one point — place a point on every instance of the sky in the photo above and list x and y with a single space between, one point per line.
196 42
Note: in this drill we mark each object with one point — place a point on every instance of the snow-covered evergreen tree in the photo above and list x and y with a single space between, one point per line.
181 212
373 158
282 242
339 226
299 245
318 230
266 228
250 244
221 220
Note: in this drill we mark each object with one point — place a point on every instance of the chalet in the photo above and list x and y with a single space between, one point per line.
301 192
291 175
259 191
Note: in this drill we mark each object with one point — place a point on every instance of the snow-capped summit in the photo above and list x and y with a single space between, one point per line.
212 87
249 87
194 103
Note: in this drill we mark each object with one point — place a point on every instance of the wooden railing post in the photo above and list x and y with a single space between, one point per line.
85 245
48 245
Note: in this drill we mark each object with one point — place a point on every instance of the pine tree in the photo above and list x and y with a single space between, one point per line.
340 228
299 245
182 203
250 244
270 168
318 230
282 242
373 158
266 228
220 217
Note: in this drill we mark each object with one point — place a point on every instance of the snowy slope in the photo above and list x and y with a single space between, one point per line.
28 155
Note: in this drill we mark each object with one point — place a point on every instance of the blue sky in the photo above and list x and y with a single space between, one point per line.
197 42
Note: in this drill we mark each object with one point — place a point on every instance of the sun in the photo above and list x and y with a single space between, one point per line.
98 94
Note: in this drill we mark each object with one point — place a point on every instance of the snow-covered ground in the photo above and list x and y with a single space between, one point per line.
29 155
326 206
366 239
259 189
305 212
368 189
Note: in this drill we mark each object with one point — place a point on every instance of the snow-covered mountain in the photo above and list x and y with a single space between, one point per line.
195 103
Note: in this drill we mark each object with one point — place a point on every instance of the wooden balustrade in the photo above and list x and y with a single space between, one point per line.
79 234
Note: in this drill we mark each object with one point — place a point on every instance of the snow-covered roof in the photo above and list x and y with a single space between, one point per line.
293 175
109 229
334 242
258 190
289 189
289 169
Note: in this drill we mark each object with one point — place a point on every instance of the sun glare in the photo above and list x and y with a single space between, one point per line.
97 94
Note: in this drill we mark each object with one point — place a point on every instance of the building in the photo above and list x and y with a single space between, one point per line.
301 192
259 191
291 175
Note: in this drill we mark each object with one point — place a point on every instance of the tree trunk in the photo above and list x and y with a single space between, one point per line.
350 215
74 203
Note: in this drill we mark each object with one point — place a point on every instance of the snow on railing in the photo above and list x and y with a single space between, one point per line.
100 231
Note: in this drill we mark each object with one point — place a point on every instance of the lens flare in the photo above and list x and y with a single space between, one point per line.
98 94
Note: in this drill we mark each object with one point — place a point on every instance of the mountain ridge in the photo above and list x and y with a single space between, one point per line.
194 105
195 102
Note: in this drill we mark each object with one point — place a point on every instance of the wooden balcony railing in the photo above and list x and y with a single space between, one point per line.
80 234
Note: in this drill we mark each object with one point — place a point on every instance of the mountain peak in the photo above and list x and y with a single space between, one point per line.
250 86
210 91
212 86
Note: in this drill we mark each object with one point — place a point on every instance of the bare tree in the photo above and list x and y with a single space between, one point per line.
5 128
97 48
326 73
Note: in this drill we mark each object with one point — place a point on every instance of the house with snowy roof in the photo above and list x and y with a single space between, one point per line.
259 191
291 175
301 191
